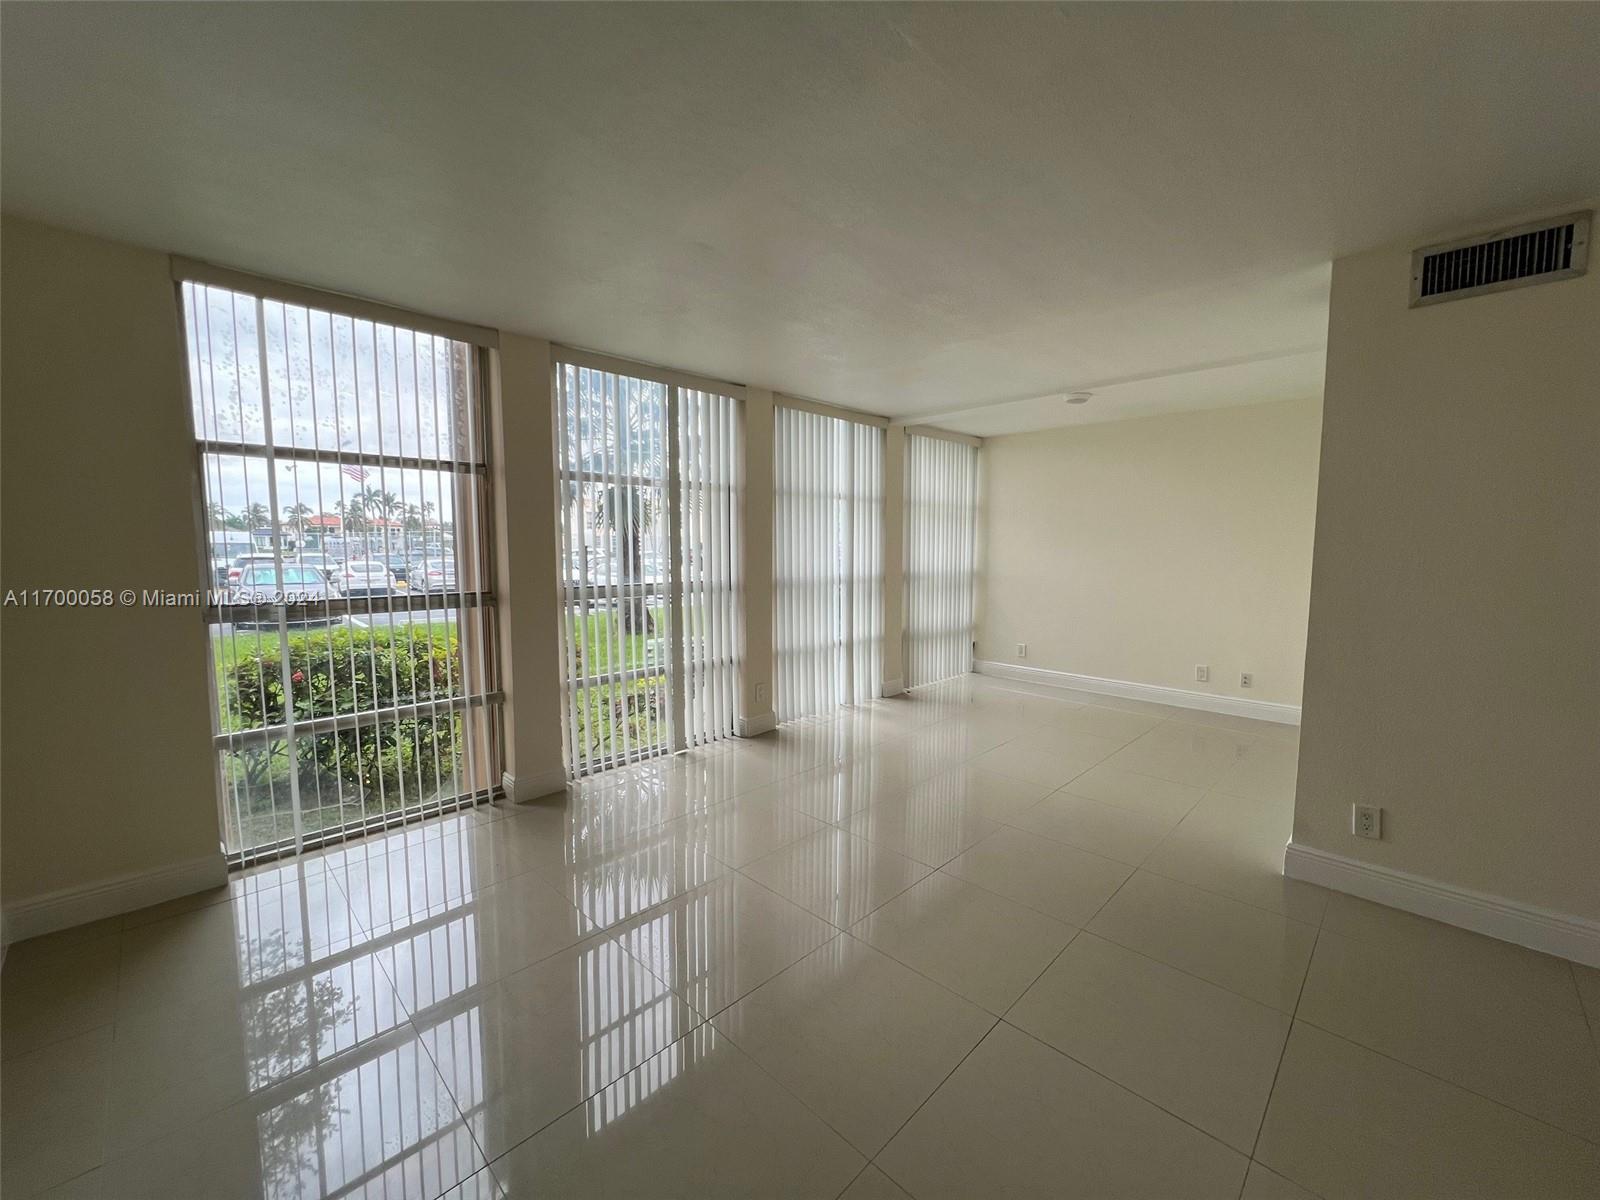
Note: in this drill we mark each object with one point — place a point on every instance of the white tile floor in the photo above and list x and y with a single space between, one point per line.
986 941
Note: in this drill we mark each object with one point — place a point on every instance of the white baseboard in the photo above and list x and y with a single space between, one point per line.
539 783
68 907
892 687
755 726
1259 710
1555 933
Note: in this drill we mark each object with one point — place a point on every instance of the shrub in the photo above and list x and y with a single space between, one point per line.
358 670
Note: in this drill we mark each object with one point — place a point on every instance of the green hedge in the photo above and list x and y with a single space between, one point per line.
358 670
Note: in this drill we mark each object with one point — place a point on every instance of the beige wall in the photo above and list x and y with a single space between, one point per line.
108 771
107 767
1453 661
525 531
755 534
1134 550
894 560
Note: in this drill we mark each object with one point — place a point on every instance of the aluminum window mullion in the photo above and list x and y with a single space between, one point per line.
357 719
365 459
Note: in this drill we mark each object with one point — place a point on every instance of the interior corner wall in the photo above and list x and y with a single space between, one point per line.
1135 550
1451 664
108 771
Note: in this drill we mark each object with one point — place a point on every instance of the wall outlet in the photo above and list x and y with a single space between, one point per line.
1022 649
761 693
1366 821
1202 673
1246 679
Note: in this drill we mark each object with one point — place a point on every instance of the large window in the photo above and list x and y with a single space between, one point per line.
828 562
941 547
648 478
344 480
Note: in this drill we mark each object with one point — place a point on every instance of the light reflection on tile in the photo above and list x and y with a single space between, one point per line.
698 1121
723 940
530 1046
537 981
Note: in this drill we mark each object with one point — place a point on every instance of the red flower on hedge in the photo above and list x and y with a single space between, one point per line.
298 677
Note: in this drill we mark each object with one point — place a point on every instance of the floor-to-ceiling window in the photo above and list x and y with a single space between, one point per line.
941 547
648 478
344 481
827 561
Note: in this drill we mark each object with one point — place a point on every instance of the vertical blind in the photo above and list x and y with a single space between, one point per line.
711 454
648 477
344 475
941 548
827 562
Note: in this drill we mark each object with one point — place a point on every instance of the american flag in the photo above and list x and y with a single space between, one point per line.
359 474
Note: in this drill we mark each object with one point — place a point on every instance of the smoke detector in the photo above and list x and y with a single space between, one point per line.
1078 397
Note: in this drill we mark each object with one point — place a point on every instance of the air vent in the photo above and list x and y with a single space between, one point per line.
1536 253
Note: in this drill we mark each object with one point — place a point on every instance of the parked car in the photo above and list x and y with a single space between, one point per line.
365 577
399 566
325 563
435 575
240 562
260 583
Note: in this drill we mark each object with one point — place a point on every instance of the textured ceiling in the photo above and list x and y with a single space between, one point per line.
910 210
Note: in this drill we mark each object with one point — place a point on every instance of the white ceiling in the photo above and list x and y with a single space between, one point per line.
913 210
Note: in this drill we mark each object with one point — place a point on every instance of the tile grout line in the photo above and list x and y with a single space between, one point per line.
1511 1108
1120 1086
899 1129
417 1038
1283 1053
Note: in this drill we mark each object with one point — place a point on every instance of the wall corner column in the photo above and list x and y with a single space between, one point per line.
755 535
894 560
521 408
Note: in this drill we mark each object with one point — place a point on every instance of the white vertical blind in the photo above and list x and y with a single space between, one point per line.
648 479
614 522
941 545
711 456
827 562
344 473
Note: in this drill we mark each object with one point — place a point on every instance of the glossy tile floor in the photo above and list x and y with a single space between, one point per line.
981 942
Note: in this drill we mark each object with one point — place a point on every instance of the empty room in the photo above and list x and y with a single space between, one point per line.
838 601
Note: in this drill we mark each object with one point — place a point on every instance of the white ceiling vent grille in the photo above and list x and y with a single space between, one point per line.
1536 253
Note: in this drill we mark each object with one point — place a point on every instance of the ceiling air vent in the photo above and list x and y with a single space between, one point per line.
1536 253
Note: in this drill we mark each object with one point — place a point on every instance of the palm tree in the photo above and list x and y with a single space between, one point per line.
257 516
216 515
353 515
295 517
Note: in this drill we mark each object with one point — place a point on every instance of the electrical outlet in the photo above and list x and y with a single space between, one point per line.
1022 649
1202 673
1366 820
1246 679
